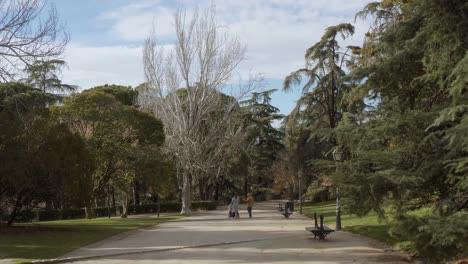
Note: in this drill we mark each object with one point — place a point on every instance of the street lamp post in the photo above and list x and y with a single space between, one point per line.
300 191
337 156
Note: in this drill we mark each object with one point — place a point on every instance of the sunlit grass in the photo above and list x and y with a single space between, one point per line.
67 235
368 225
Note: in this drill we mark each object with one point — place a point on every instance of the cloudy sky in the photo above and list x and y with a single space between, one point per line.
107 35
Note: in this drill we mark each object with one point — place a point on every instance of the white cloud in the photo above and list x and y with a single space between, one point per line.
276 32
91 66
135 24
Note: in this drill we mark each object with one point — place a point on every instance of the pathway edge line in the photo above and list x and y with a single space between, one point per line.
85 258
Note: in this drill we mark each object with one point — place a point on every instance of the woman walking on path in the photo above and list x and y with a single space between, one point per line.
235 205
250 202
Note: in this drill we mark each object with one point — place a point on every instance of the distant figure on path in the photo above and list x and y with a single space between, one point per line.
231 212
250 203
234 206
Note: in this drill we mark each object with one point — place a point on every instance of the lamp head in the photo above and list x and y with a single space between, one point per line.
337 154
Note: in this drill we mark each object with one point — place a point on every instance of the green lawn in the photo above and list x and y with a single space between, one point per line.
67 235
368 225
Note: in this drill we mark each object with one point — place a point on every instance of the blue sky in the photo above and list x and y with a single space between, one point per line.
107 36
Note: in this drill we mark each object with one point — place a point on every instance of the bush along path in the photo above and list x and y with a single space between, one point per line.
79 213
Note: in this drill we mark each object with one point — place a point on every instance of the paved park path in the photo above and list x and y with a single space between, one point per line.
210 237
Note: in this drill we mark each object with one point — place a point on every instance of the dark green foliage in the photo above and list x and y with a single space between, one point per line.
124 141
400 117
264 140
45 76
309 134
172 207
50 215
437 238
36 154
326 84
411 148
18 98
316 192
79 213
124 94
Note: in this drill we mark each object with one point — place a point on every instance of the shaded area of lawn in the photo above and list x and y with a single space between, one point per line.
368 225
60 237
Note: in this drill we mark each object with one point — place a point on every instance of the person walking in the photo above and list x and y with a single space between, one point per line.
235 205
250 203
230 210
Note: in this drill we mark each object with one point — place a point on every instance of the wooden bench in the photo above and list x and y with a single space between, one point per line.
280 207
319 231
286 209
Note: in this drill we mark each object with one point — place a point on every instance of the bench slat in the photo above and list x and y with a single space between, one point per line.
320 233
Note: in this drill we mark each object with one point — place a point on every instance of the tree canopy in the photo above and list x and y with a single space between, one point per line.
398 115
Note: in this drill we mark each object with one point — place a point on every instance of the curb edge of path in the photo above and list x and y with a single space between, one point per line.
86 258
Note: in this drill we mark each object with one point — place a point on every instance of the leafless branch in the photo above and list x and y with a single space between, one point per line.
29 31
187 88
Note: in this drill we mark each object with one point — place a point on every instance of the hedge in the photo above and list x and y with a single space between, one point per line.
170 207
79 213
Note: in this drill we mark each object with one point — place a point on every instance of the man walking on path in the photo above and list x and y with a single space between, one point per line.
250 202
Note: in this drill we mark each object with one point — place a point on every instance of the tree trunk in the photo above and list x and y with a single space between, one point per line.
137 189
89 211
216 194
186 194
203 188
159 205
14 212
124 205
134 198
113 201
200 188
246 184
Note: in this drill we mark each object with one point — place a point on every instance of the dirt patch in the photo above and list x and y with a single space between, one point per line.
461 261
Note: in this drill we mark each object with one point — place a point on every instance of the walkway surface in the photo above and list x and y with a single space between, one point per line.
210 237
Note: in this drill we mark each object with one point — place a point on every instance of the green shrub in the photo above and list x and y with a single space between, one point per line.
204 205
434 237
317 193
29 215
261 194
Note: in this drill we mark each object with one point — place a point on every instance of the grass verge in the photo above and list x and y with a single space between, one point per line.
368 225
60 237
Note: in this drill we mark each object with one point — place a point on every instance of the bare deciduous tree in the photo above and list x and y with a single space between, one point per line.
29 31
184 88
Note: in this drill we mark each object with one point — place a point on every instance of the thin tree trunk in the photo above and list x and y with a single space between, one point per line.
200 188
124 205
246 183
186 194
15 211
159 204
216 194
113 201
137 192
89 210
134 198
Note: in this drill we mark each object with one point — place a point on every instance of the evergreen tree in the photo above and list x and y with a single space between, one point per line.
410 150
325 70
45 75
264 140
40 159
